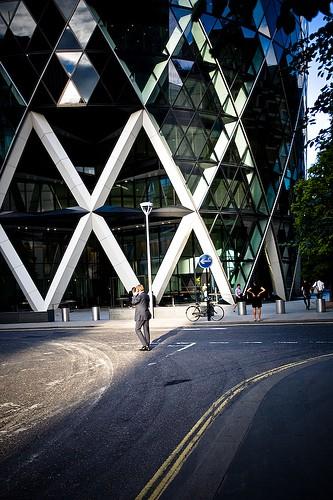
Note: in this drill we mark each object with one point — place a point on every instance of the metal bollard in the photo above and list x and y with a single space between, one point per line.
96 313
50 315
65 313
241 308
321 305
280 306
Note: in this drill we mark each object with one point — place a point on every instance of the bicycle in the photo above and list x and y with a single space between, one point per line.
215 311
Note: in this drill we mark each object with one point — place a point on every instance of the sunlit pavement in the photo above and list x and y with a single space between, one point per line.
172 317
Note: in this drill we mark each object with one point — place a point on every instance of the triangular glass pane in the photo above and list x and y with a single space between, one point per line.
247 33
193 180
3 28
174 78
271 57
22 24
183 16
7 10
70 95
209 22
69 60
184 150
38 43
219 190
68 41
85 77
66 7
183 66
172 132
133 185
183 50
100 95
182 100
158 97
278 51
265 43
42 96
209 202
210 101
264 29
39 61
83 23
117 83
258 14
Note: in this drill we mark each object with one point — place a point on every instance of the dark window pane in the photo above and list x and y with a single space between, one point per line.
52 23
55 78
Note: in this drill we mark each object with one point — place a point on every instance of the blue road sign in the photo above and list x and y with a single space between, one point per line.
205 261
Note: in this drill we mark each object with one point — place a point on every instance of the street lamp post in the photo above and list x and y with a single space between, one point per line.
147 207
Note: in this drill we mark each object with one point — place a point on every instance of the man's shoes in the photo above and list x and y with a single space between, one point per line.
145 348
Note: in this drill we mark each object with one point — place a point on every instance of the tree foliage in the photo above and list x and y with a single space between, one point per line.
313 217
318 47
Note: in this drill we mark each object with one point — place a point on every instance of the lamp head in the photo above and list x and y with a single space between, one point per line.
146 207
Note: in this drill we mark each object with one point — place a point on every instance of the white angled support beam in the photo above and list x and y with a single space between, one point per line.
217 270
172 256
114 252
22 276
274 264
14 157
163 152
69 261
116 160
61 160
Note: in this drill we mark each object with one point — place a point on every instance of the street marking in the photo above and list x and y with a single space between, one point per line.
182 349
250 342
190 329
286 342
173 464
219 342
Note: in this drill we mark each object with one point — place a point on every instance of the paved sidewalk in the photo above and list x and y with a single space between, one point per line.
173 317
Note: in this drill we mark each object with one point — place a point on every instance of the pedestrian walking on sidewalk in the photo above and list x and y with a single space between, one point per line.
142 316
256 292
306 291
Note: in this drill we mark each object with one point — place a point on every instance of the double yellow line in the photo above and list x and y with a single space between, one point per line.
172 465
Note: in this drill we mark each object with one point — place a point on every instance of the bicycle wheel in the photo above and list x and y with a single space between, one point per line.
193 313
217 312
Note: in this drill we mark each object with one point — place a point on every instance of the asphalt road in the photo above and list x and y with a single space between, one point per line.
86 415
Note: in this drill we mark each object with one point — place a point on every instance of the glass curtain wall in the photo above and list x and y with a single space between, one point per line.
221 96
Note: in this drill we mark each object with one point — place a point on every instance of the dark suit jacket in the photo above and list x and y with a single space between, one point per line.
141 303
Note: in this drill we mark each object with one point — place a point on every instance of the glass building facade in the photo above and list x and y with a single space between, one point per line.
103 108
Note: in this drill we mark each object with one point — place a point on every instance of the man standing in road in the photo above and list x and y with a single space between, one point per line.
142 316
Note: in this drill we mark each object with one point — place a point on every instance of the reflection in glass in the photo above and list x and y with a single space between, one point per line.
3 28
85 77
7 10
66 6
22 24
69 60
68 41
70 95
82 23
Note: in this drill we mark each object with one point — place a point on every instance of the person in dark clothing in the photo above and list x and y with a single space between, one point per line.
142 316
256 295
306 291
